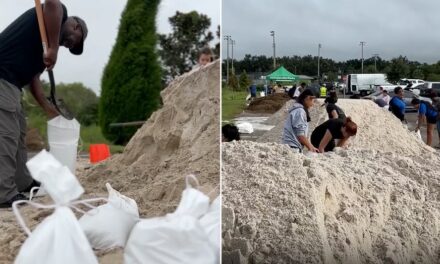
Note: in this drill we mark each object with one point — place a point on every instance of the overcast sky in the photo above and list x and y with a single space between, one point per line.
389 27
102 18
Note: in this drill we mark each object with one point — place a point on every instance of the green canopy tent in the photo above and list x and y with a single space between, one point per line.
282 75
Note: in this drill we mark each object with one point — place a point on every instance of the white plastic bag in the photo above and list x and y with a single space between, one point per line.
245 128
175 238
211 223
418 134
109 225
59 238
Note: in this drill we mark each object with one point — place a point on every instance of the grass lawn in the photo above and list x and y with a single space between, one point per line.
233 103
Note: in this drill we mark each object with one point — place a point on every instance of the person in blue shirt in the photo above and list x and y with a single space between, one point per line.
397 105
428 112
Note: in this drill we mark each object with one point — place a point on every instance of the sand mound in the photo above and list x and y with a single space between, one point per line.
268 104
179 139
352 206
377 202
378 129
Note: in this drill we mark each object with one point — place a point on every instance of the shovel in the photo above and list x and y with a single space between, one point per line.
57 103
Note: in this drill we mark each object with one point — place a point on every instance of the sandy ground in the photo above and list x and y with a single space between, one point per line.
179 139
375 202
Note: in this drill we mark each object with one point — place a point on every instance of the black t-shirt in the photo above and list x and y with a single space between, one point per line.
331 107
333 125
21 51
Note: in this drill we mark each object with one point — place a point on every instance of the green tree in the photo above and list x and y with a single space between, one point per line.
179 50
131 82
233 82
79 100
399 69
244 81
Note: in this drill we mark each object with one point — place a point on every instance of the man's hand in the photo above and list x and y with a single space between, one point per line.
50 58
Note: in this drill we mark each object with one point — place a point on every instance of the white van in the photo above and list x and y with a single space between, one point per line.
364 84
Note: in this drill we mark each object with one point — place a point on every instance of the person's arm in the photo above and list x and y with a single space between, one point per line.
325 140
53 15
420 121
37 92
342 142
305 141
334 114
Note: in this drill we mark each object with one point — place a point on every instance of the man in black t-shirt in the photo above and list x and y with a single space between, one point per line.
21 63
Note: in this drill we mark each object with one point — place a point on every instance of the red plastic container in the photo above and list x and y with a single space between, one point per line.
99 152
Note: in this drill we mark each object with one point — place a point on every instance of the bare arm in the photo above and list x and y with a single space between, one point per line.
53 15
420 121
306 142
334 114
325 140
38 94
343 142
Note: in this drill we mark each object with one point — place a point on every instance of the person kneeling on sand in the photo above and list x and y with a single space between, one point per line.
428 112
230 133
332 109
296 126
323 137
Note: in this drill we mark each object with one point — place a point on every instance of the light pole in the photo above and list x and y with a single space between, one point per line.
272 33
319 51
375 58
362 43
227 38
232 61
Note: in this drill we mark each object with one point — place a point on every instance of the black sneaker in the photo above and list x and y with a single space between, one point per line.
32 185
18 197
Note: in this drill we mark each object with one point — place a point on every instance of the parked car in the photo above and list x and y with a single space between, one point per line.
407 98
429 87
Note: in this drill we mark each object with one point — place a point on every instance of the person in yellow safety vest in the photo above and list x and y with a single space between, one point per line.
323 91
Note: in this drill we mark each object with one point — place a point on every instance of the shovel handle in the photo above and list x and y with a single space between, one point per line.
41 25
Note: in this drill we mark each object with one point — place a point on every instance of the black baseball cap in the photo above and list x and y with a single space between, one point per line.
78 50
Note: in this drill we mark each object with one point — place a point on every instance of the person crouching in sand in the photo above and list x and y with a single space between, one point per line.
323 137
296 126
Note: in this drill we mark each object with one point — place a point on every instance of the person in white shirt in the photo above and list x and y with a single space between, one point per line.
383 100
299 90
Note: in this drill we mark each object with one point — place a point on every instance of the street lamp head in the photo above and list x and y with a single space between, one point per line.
272 33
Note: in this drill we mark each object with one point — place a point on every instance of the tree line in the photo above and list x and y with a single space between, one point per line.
396 68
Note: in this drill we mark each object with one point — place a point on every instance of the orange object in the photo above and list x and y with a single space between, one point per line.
99 152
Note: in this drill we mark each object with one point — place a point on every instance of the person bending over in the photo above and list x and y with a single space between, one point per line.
428 112
323 137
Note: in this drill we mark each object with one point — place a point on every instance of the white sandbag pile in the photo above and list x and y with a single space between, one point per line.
189 235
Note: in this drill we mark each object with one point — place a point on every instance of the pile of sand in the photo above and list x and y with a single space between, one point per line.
179 139
377 202
268 104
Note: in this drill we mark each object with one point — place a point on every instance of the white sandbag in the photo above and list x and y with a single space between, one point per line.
169 240
211 224
108 226
59 238
245 128
60 183
193 201
175 238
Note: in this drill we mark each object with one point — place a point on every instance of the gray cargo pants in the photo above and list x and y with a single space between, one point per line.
14 175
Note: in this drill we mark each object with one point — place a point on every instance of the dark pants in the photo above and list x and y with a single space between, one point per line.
14 175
